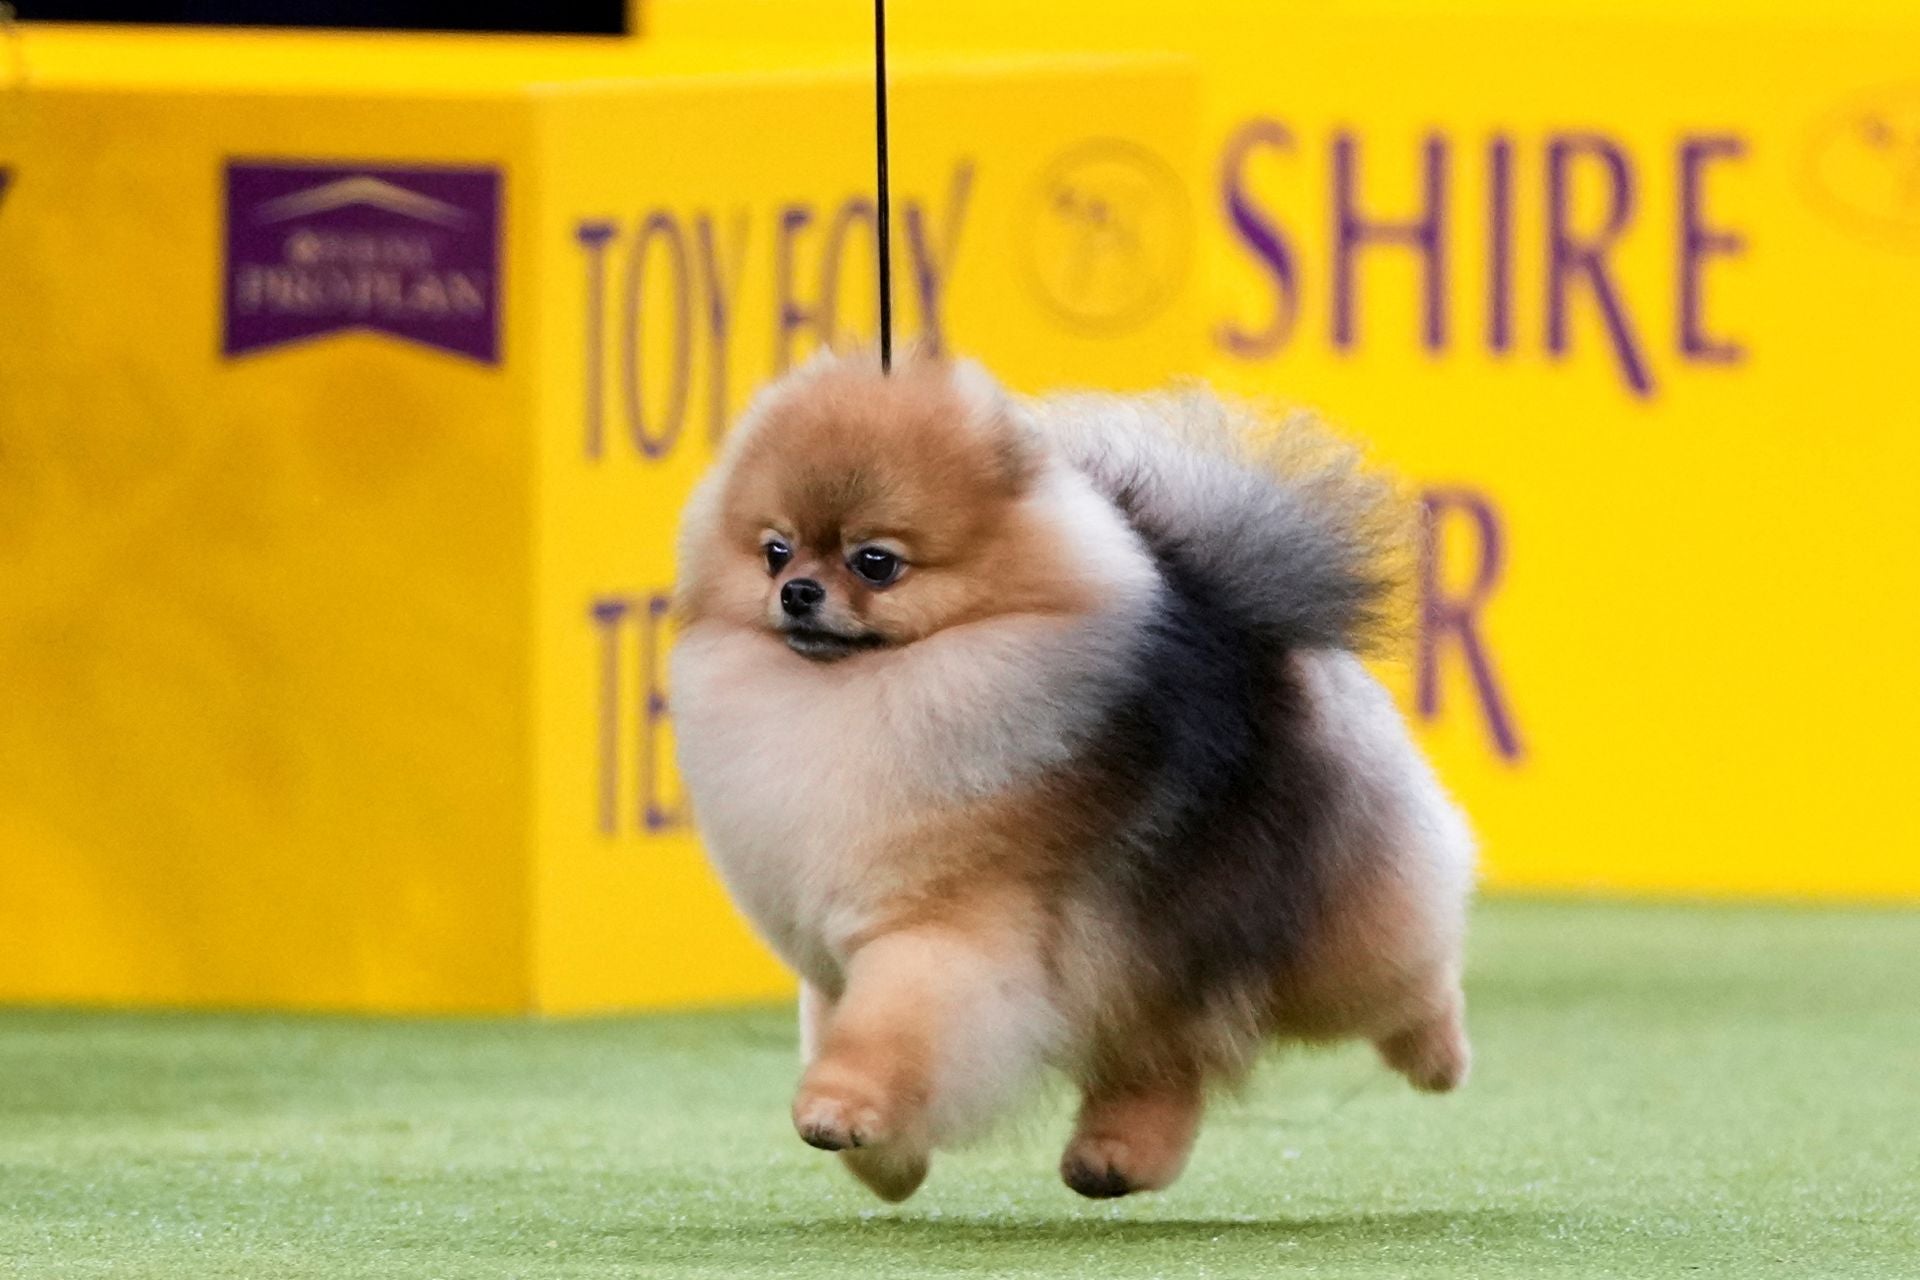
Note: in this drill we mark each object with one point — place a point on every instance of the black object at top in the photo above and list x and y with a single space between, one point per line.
552 17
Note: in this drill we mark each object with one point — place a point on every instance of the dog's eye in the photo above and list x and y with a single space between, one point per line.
877 566
777 553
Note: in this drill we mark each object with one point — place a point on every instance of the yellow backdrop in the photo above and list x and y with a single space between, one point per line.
332 650
333 665
1631 291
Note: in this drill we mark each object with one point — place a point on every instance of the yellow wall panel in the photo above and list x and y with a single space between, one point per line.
313 578
257 747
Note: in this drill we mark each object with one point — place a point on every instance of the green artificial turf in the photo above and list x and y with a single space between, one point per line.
1661 1092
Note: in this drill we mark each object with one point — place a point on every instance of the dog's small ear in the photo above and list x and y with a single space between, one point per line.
991 410
979 390
1021 447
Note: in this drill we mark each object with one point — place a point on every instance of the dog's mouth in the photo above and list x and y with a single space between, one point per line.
822 645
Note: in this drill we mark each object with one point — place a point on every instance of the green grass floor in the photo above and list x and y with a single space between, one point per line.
1661 1092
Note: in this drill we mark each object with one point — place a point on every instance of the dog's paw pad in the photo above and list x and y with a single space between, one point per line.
1097 1169
836 1124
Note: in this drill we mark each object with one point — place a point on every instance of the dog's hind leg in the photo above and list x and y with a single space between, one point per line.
1431 1051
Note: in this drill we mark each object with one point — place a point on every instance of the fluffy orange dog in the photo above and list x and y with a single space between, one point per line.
1032 734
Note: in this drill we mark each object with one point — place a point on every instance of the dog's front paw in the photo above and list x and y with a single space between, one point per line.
840 1115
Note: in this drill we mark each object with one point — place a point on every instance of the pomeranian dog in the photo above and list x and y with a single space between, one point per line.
1032 734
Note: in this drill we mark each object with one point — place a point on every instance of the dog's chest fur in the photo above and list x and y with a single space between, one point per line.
809 781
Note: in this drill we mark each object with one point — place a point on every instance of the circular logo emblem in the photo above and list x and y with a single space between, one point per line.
1863 165
1108 235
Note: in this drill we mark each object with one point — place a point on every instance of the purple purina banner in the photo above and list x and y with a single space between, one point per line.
409 251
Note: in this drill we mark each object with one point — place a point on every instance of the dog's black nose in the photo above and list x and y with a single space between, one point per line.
801 597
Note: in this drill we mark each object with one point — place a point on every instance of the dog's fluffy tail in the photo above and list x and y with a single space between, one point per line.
1277 519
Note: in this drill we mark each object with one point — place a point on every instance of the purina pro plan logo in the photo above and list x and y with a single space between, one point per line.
316 249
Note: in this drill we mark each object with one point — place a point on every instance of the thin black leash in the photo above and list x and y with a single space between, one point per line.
883 216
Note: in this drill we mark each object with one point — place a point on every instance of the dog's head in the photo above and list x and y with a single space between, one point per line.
856 511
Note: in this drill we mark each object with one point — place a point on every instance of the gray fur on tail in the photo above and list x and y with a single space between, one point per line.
1278 518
